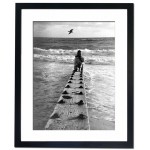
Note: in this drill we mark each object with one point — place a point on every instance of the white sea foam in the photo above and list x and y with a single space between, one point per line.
100 91
74 51
96 57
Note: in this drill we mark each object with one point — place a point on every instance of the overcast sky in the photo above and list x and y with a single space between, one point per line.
81 29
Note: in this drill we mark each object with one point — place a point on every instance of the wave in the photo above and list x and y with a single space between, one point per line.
96 57
101 52
70 59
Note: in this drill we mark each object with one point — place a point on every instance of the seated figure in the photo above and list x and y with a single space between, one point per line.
78 61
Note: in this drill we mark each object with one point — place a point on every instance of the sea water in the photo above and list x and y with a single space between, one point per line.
52 66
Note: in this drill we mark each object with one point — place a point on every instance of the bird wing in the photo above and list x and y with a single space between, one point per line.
70 31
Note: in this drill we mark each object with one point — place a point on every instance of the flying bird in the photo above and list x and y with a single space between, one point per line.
71 31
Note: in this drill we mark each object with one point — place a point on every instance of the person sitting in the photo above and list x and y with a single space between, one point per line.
78 61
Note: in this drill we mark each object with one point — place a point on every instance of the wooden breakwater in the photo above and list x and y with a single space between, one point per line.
70 112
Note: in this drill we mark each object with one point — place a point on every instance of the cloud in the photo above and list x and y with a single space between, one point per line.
81 29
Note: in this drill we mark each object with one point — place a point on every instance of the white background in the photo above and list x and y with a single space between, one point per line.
142 72
120 18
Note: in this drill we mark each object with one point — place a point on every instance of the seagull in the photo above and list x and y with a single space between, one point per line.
71 31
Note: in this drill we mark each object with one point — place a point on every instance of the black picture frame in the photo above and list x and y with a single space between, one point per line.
130 76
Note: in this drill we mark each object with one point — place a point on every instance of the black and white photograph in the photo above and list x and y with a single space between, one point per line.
74 75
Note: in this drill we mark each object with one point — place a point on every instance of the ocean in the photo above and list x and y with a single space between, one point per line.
52 67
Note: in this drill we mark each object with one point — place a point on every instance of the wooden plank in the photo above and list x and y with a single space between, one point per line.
71 113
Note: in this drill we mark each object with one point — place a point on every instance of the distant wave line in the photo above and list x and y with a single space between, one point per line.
74 51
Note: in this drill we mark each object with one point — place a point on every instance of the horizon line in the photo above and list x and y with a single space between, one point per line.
74 37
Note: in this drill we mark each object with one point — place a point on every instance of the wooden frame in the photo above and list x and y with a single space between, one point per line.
130 77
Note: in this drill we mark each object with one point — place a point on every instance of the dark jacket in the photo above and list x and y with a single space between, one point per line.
78 61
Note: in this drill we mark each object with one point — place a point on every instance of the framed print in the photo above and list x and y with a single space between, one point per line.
74 75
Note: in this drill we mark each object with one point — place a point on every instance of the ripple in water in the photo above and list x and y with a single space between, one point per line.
100 93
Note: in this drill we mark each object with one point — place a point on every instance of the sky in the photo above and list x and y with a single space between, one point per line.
80 29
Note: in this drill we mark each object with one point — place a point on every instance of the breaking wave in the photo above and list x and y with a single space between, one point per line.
96 57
